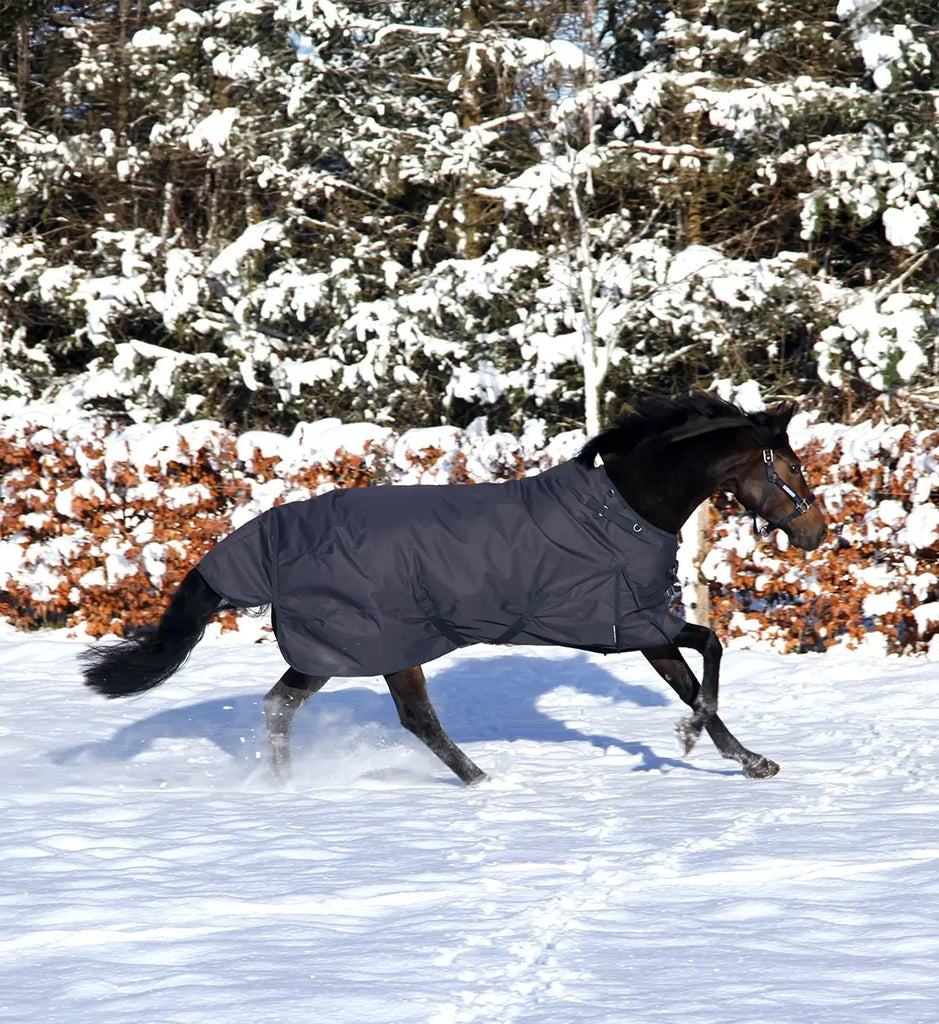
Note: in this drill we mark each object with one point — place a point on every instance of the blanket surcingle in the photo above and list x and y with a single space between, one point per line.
373 580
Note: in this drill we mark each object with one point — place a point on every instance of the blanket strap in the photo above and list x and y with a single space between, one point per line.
535 602
443 627
427 606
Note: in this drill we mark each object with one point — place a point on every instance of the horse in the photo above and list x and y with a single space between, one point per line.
381 580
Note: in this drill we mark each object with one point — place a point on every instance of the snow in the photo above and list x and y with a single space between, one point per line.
921 527
903 224
151 39
559 54
213 130
246 64
252 239
883 336
153 870
472 383
878 49
535 187
848 8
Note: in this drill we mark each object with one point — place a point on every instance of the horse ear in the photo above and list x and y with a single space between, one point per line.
779 417
773 423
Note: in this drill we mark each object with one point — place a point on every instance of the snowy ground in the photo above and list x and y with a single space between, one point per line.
151 872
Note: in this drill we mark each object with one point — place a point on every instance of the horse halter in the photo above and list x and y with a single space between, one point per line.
773 479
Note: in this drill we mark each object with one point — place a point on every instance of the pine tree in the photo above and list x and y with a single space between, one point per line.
272 210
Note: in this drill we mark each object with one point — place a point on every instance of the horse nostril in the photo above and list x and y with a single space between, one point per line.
815 539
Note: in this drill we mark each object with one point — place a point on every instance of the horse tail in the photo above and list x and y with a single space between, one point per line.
149 658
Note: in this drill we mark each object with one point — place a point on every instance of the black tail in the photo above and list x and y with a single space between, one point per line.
145 661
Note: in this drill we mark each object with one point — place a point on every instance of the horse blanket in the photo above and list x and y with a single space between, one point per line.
373 580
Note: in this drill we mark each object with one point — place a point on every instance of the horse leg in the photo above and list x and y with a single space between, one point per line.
409 690
667 660
281 705
703 701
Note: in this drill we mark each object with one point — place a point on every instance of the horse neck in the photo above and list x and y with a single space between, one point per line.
665 482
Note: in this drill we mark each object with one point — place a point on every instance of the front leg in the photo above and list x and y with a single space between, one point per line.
667 660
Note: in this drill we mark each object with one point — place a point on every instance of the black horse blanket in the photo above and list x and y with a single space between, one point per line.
372 580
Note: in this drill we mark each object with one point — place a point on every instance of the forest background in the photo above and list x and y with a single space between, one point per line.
506 218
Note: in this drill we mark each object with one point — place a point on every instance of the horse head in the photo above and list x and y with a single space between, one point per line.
769 483
668 455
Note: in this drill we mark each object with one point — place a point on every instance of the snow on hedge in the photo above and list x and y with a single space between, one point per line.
97 524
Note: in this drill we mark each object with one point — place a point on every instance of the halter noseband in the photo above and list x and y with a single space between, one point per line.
773 479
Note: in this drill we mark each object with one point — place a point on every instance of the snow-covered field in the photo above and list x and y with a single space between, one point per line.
152 872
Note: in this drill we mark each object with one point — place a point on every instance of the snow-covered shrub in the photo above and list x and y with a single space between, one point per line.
883 343
97 527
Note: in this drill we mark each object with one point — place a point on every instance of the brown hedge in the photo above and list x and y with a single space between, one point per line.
77 516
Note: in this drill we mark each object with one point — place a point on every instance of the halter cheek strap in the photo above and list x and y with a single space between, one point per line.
773 479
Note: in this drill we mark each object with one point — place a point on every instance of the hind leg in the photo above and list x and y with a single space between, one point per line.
281 705
409 690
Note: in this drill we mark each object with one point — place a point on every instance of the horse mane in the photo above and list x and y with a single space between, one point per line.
657 418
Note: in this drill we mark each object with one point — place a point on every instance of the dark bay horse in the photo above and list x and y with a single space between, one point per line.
379 580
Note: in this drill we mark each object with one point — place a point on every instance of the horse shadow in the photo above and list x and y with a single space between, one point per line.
472 697
463 692
230 723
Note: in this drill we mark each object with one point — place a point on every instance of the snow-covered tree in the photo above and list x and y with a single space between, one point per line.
267 210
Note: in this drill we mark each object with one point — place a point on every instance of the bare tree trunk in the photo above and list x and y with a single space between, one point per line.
468 210
689 173
689 182
22 63
166 218
695 593
595 358
210 191
123 84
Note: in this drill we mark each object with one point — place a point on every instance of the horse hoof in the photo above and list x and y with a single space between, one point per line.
688 735
761 769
